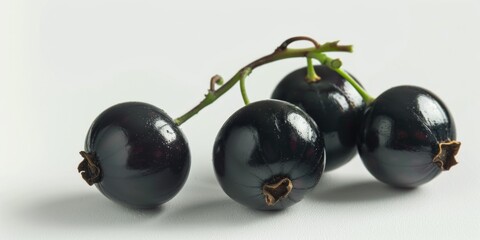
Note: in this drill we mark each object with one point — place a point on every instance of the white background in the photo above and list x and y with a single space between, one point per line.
63 62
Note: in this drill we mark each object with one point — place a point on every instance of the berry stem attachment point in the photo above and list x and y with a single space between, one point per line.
281 52
311 74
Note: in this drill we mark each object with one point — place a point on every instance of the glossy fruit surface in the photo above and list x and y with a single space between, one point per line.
143 157
335 106
268 154
407 137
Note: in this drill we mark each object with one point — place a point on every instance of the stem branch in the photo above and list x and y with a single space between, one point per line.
280 53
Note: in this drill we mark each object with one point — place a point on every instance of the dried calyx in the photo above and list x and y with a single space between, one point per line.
276 191
89 168
445 157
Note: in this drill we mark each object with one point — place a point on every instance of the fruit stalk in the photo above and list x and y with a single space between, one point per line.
282 52
311 74
366 97
242 85
335 65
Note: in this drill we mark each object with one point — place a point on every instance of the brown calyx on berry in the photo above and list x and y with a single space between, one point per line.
276 191
445 157
89 168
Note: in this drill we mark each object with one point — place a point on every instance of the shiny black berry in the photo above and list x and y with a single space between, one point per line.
407 137
268 155
333 103
136 155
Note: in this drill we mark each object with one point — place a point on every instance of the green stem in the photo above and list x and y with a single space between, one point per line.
311 74
325 60
280 53
335 65
243 90
366 97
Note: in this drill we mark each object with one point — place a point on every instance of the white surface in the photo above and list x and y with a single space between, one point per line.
63 62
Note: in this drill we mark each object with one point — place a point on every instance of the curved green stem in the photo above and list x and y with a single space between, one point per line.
242 85
366 97
280 53
335 65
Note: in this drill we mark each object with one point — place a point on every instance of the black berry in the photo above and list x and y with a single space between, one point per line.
333 103
407 137
136 155
268 155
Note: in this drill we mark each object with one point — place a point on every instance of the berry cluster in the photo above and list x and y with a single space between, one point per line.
270 153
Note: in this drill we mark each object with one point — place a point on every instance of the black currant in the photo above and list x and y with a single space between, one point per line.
136 155
407 137
268 154
333 103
